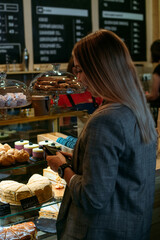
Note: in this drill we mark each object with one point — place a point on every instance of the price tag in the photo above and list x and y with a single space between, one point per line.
5 209
29 202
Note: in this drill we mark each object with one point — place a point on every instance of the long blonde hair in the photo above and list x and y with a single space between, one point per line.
110 73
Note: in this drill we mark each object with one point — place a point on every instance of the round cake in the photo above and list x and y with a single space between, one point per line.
12 192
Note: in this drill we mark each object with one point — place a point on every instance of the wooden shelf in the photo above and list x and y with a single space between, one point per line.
27 119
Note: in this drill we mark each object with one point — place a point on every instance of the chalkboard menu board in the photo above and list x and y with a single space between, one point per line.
57 26
127 19
11 31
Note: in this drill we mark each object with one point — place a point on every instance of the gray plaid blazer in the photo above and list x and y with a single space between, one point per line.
111 196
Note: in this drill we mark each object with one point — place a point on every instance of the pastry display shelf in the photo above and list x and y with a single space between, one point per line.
21 172
26 119
81 117
30 163
30 212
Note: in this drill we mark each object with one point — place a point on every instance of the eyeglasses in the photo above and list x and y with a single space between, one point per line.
76 70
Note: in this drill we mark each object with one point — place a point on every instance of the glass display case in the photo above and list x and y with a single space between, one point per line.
19 121
53 83
13 214
13 93
23 171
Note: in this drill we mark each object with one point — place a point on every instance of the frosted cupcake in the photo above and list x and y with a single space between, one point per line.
38 153
28 147
56 145
20 144
45 142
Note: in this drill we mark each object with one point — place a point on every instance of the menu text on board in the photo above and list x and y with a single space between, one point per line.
11 31
127 19
57 26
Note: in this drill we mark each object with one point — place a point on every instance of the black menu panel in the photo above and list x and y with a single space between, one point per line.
127 19
57 26
11 31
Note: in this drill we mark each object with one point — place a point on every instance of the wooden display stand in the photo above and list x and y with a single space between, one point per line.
50 136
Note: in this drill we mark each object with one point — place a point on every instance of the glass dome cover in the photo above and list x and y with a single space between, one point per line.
55 82
13 93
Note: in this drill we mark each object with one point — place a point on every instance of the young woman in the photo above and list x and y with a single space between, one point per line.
110 183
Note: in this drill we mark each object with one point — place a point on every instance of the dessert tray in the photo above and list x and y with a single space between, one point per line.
13 93
55 82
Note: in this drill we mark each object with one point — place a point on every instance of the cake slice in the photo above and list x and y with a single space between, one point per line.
58 191
53 176
50 212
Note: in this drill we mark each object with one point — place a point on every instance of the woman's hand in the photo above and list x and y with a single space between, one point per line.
55 161
66 154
